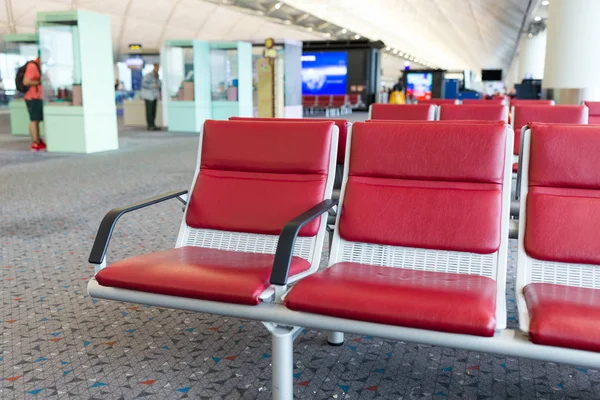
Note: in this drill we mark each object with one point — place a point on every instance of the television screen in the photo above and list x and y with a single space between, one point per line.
324 72
419 84
491 74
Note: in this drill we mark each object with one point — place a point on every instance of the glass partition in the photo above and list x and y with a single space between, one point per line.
61 68
180 70
224 74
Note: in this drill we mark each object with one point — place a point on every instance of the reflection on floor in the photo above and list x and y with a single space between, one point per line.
59 343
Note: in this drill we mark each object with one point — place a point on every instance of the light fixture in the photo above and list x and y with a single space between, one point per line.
287 22
537 19
309 28
545 2
395 51
406 63
344 30
277 6
327 34
356 36
401 54
530 35
388 48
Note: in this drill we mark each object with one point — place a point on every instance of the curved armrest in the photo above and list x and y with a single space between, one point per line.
110 220
287 239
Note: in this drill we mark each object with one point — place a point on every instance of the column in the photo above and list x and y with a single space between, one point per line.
572 64
532 53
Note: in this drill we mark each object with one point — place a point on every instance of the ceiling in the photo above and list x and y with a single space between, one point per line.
450 34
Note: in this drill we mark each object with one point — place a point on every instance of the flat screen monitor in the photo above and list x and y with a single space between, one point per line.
419 85
491 74
324 72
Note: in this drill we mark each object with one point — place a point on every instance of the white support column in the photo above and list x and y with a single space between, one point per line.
282 361
532 53
572 61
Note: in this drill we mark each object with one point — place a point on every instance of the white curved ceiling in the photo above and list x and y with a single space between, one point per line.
451 34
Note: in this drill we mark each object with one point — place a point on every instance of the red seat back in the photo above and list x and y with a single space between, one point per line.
403 112
323 100
256 176
525 114
426 185
309 100
563 199
339 100
342 124
481 112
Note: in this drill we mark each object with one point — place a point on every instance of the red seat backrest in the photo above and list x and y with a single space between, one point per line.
404 112
256 176
482 112
323 100
437 102
563 199
338 100
309 100
524 114
426 185
342 124
483 101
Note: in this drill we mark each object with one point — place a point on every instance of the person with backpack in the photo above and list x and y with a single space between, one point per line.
29 81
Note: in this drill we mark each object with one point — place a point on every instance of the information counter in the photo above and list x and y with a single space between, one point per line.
134 113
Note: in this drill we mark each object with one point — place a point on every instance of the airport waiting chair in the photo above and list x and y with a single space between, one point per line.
309 102
260 197
525 114
472 111
340 104
594 111
402 112
531 102
558 269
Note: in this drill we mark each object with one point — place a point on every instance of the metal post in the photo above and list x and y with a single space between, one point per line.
283 361
335 338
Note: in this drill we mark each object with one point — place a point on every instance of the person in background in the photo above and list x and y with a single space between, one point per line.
150 94
35 106
397 95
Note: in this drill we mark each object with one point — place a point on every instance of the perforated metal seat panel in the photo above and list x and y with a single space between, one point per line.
419 259
245 242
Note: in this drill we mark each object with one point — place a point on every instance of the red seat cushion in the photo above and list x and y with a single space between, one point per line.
515 167
198 273
437 301
564 316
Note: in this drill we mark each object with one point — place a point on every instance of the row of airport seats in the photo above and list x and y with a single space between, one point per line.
333 105
433 271
443 112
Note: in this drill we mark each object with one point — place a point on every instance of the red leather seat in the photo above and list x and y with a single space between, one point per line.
444 193
515 167
342 125
309 101
526 113
402 112
402 297
339 100
197 273
564 316
482 112
252 179
562 219
531 102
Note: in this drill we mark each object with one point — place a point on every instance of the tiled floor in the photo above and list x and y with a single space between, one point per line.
59 343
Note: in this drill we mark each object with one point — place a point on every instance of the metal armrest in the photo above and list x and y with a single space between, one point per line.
110 220
287 239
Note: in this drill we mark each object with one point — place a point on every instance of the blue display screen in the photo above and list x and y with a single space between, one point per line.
324 72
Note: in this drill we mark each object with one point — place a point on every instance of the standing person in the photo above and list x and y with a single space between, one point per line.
397 95
150 94
33 98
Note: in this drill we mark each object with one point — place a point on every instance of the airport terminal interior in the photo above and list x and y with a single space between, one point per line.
262 199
